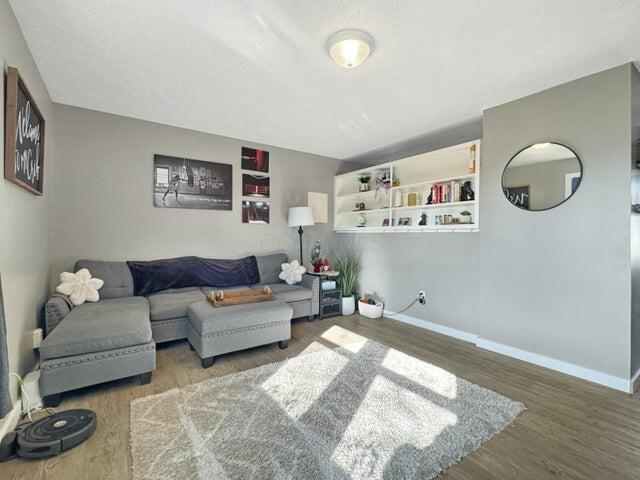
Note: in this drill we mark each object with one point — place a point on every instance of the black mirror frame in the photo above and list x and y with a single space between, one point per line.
529 146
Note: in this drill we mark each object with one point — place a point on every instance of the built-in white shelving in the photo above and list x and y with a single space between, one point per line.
416 175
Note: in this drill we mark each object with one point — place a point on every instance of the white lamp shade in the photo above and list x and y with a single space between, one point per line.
300 216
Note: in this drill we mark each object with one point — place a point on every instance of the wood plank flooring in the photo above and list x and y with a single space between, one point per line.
571 429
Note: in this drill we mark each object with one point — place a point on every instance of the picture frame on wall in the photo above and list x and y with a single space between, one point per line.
255 159
255 185
24 136
191 184
255 212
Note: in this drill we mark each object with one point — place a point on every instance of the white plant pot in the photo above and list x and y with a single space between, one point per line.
348 305
370 311
465 219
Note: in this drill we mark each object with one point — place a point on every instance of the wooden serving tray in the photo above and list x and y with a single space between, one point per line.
219 298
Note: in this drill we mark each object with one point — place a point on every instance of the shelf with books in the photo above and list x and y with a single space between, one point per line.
436 184
431 182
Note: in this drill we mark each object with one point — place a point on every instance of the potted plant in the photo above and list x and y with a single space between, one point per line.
364 182
348 264
465 217
317 257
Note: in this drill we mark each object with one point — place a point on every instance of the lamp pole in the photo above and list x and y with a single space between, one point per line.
300 233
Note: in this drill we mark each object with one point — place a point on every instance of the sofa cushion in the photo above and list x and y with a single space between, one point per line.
289 293
118 281
269 267
97 327
167 306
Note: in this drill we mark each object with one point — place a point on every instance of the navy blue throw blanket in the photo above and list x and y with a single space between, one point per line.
156 275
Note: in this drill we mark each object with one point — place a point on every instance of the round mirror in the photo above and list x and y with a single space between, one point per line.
541 176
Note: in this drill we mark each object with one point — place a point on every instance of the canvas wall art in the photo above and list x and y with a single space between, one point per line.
255 212
186 183
255 159
255 185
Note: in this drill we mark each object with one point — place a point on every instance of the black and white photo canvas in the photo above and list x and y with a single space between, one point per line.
255 159
255 212
187 183
255 185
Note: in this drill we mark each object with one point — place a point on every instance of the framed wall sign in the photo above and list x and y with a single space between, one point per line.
23 136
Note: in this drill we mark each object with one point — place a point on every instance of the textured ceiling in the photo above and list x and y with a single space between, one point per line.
258 70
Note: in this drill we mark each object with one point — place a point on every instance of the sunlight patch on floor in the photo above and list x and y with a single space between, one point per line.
284 386
388 412
344 338
428 376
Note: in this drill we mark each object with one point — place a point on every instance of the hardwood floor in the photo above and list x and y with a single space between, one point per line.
571 429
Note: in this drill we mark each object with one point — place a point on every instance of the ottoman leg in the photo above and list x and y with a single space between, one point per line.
52 400
283 344
191 347
310 319
145 378
207 362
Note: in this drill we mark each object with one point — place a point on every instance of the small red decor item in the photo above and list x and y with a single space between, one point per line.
317 267
325 265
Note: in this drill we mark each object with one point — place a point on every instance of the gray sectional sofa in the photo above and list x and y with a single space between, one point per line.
116 336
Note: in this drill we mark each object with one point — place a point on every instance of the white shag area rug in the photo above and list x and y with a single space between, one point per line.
363 411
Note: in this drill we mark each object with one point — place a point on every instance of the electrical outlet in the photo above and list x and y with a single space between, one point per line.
422 297
37 337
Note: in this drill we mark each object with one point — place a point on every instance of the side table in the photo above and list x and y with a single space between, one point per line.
330 300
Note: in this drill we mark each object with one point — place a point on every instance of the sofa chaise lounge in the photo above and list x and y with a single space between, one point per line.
115 337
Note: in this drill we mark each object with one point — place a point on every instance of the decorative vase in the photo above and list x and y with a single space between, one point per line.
317 267
364 187
348 305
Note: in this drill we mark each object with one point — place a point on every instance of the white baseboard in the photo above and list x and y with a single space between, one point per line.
594 376
557 365
635 382
435 327
10 420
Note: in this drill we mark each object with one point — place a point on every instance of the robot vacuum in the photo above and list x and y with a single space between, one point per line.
56 433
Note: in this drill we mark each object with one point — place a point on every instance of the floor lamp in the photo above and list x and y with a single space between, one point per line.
300 217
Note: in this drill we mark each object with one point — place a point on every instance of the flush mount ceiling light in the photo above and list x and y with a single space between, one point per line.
349 48
541 146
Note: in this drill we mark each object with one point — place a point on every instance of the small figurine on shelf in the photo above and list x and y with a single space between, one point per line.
361 220
423 219
326 265
430 197
466 193
364 182
317 257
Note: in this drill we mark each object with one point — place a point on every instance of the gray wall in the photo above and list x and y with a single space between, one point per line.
635 222
395 266
445 137
103 194
24 217
557 283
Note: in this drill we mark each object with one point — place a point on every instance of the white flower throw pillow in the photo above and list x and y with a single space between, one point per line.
79 286
292 272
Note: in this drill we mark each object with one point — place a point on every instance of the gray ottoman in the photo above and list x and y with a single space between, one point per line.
216 330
